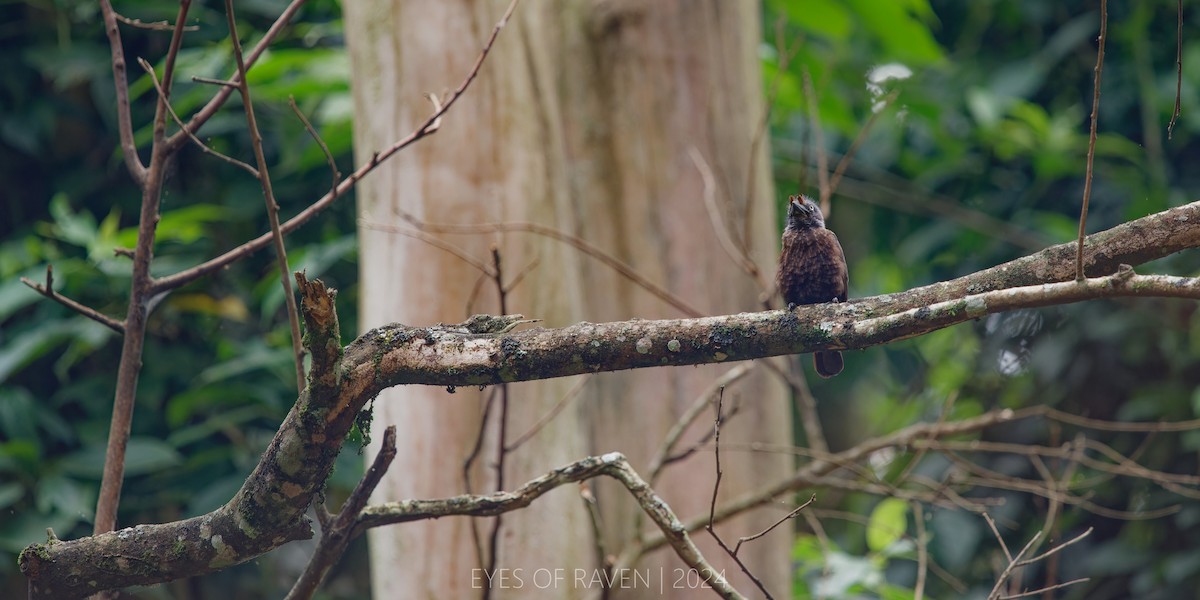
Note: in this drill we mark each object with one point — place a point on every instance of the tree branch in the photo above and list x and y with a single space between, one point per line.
124 123
267 512
612 465
397 354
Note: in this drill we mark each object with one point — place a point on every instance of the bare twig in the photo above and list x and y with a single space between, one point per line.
1046 589
502 429
840 169
922 550
720 227
1012 565
340 531
814 124
233 85
1091 155
47 290
712 509
689 416
227 87
468 463
264 178
1016 561
1178 66
204 147
1126 427
578 243
596 520
124 123
786 53
155 26
553 412
769 529
337 175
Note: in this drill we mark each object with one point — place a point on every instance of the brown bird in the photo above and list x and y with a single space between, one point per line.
812 269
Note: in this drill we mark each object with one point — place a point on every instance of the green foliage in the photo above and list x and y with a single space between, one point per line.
991 118
218 375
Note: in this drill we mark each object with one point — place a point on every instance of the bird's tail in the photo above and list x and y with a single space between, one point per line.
828 363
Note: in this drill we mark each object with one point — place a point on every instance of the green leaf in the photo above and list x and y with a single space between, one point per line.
887 524
182 225
27 346
56 493
69 226
142 456
10 493
825 18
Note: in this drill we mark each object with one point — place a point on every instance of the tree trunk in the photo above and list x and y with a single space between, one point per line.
583 119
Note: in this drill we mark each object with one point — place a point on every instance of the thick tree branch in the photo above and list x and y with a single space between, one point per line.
397 354
267 512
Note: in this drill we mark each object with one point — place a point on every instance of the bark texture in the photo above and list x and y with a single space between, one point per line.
584 120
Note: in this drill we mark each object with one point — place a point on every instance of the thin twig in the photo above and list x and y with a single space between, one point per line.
1178 66
468 463
47 290
1012 564
204 147
209 80
712 506
1091 155
337 175
689 416
596 520
791 515
814 125
578 243
524 272
340 531
155 26
922 550
1046 589
840 169
264 178
1124 427
1056 549
441 244
785 53
712 509
549 416
502 430
720 227
133 162
227 87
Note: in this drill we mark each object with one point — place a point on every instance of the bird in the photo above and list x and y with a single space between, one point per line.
812 269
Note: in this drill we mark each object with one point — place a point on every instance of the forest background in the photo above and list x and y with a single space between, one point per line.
974 155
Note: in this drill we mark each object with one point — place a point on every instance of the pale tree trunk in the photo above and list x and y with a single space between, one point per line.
585 119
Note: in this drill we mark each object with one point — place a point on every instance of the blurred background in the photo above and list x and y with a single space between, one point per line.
974 155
